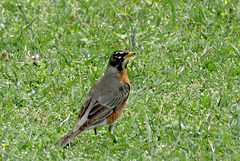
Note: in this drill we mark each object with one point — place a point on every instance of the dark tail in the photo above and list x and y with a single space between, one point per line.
67 138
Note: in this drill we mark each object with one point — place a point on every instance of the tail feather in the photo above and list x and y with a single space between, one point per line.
74 132
67 138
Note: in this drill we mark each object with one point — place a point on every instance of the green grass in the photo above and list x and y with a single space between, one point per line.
185 97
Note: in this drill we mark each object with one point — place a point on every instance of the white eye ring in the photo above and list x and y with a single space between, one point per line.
120 52
119 57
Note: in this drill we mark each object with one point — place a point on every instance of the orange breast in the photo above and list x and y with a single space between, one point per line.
124 77
115 115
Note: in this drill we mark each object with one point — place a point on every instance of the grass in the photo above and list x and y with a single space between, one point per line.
185 97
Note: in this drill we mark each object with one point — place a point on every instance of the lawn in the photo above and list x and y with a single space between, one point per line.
185 78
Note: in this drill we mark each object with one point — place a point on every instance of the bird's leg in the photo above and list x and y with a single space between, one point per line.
95 130
110 128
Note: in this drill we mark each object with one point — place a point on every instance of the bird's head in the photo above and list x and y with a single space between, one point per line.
119 59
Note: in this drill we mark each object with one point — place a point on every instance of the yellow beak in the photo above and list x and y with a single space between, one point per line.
129 54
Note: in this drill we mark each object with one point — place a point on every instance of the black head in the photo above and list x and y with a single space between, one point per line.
119 59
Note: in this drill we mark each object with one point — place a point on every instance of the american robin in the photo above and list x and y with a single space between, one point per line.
106 99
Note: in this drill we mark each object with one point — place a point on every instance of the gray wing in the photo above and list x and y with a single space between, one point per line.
110 99
107 99
88 98
116 93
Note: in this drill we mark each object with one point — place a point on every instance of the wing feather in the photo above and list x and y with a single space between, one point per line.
101 101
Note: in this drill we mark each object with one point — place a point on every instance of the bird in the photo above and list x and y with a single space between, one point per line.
106 99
